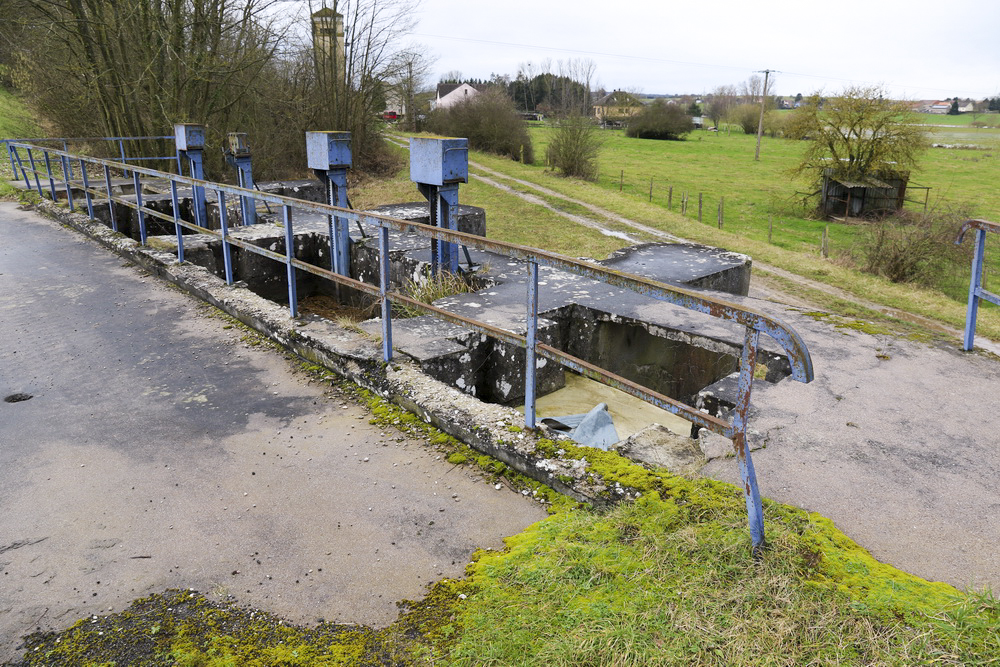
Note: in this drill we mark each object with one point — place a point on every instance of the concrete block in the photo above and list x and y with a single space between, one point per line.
659 447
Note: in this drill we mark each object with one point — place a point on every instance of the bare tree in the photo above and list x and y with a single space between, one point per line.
350 95
752 89
407 76
724 99
143 64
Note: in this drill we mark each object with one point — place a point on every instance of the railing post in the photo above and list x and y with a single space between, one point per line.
383 286
139 207
448 201
176 206
48 173
66 150
34 171
20 165
121 150
227 255
293 298
531 322
86 188
111 199
64 161
10 154
755 515
975 289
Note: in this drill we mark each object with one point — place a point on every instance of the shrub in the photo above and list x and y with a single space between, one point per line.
915 247
574 148
746 116
490 122
660 121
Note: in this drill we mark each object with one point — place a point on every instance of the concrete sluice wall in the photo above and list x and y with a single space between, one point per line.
695 369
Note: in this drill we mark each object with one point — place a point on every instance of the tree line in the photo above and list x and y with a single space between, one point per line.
136 67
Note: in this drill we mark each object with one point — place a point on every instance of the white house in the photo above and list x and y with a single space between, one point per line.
449 94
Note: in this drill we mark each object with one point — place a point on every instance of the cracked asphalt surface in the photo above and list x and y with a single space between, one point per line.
163 448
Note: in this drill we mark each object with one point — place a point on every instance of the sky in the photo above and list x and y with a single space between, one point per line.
919 49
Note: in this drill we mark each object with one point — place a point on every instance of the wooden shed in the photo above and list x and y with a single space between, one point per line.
864 196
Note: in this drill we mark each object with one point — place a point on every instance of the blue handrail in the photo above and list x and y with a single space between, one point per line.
754 322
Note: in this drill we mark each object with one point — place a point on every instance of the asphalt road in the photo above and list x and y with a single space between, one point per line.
160 449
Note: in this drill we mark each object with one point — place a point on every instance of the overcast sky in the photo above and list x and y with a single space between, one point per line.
919 49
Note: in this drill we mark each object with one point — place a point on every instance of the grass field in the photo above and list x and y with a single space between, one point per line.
15 119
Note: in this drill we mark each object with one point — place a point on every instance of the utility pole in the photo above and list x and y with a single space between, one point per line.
763 100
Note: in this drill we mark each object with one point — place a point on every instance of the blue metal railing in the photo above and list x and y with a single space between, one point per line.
976 290
120 141
753 321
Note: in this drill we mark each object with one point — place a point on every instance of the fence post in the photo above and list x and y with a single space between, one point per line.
755 515
227 253
383 286
175 204
48 173
64 161
20 163
621 181
770 227
650 189
823 243
975 287
293 297
699 206
139 206
10 154
34 170
111 200
86 189
531 323
670 199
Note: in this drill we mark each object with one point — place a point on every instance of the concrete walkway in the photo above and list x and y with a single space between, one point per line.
894 440
161 448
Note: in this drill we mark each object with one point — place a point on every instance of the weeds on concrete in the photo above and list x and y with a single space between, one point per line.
429 290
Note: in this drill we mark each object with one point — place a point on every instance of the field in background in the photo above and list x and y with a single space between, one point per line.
765 202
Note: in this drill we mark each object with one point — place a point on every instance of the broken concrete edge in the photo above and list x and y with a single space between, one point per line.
490 429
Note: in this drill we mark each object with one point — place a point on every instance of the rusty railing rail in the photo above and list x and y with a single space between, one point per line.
753 321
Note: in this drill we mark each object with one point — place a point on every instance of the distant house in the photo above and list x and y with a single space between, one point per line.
449 94
966 106
940 107
395 106
616 107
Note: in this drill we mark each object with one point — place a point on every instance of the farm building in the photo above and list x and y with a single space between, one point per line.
616 107
863 196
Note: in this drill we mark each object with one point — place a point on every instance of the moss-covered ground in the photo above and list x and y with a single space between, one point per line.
669 579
